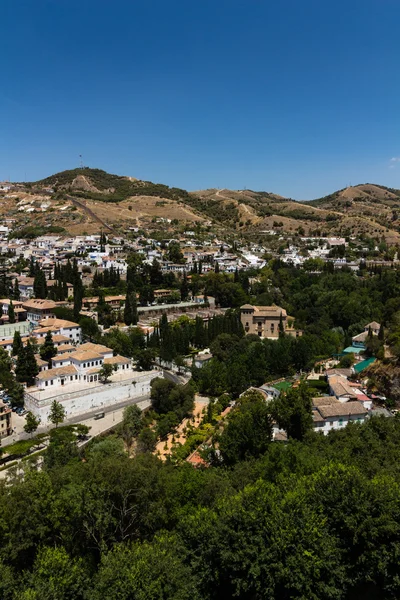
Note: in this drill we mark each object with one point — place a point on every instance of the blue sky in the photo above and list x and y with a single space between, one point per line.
296 97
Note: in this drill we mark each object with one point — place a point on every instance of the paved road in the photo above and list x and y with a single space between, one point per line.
113 414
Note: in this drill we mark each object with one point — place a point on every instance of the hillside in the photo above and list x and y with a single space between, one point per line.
80 200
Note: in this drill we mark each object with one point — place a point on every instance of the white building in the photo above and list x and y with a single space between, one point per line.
77 388
68 329
329 413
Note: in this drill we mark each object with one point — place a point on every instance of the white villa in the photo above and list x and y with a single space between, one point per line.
74 381
68 329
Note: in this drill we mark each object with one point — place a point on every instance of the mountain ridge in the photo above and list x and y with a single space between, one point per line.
368 209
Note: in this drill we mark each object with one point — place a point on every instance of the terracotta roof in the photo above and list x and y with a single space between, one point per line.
324 401
92 371
99 348
82 356
57 372
340 387
317 417
39 304
265 311
343 372
61 357
373 325
58 323
40 362
117 360
342 409
64 348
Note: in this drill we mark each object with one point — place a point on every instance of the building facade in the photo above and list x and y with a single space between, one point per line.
264 321
5 420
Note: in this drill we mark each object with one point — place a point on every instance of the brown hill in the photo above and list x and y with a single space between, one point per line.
81 200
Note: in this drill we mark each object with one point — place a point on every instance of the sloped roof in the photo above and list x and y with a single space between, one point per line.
342 409
57 372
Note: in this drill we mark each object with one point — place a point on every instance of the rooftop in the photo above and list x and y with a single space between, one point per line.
57 372
342 409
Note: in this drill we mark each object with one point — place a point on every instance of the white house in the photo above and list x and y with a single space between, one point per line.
68 329
330 414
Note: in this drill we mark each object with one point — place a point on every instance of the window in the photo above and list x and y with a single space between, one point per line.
51 382
47 383
331 423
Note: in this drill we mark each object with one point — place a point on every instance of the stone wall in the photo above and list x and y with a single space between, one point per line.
90 399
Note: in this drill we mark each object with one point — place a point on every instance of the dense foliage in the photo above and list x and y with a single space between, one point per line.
312 519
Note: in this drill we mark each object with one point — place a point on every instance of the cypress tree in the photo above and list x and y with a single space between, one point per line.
17 343
26 368
48 350
11 313
78 296
16 292
184 287
130 310
281 328
381 334
40 285
31 267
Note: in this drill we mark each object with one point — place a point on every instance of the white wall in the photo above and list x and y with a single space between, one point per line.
92 398
332 423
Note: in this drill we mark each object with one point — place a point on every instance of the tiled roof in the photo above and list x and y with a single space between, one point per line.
57 372
342 409
82 356
117 360
57 323
99 348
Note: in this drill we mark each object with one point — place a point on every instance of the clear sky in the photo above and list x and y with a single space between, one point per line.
298 97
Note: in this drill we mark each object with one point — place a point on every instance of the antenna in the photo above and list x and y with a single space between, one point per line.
81 161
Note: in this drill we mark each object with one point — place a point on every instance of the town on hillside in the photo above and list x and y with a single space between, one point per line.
89 324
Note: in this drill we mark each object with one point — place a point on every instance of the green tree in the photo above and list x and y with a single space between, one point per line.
147 571
32 423
16 393
147 440
249 429
131 423
57 413
292 411
40 284
78 295
174 253
26 368
145 358
16 291
184 288
11 313
48 349
130 310
56 575
17 343
281 328
105 373
90 329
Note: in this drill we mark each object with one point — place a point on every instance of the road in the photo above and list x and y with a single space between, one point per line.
113 414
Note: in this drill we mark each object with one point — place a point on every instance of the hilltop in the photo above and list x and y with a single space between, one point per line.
79 200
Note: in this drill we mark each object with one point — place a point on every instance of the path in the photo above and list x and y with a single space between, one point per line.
164 447
113 414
